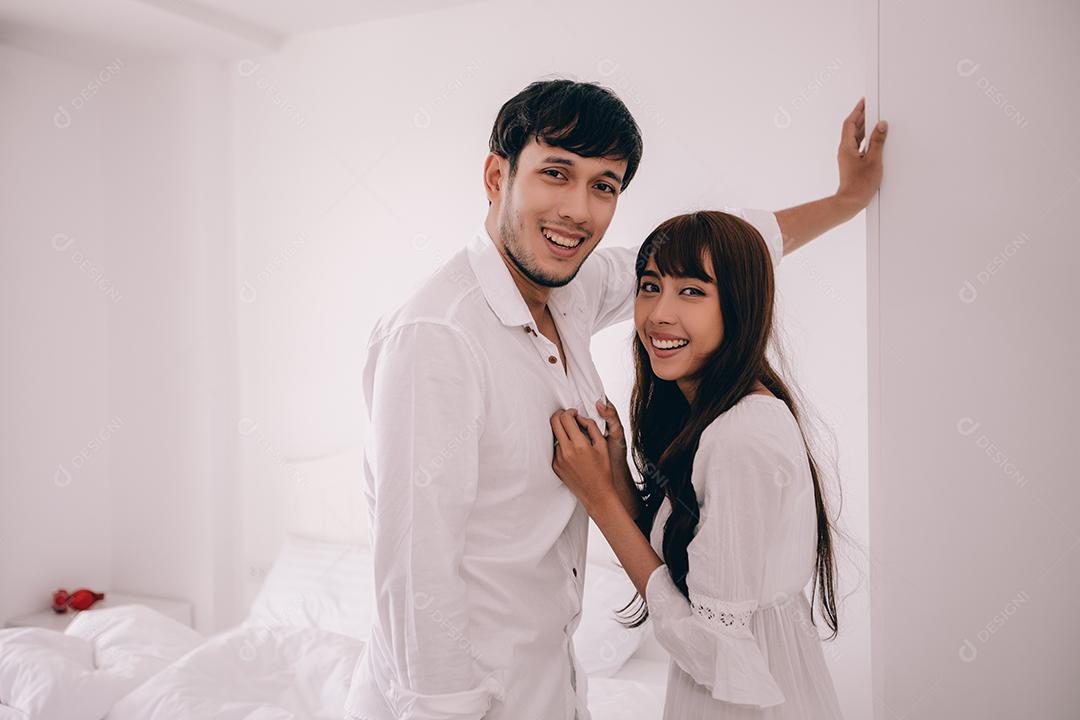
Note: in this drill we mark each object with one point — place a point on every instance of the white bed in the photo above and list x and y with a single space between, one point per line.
293 655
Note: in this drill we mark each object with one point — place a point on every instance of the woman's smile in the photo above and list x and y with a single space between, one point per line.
665 346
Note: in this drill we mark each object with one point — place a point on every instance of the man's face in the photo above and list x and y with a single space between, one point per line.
555 210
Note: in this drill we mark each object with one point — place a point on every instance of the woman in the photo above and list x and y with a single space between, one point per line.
730 523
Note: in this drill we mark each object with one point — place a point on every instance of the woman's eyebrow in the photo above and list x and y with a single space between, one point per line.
707 279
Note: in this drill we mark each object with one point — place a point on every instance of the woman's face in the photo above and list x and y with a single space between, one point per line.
682 314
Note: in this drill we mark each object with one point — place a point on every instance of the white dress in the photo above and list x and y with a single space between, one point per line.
743 646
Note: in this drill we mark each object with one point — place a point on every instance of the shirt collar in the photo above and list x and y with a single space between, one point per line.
500 290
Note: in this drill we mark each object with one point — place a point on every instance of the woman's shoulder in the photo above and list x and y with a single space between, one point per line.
757 424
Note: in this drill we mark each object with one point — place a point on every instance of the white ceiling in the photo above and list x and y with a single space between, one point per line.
288 17
88 30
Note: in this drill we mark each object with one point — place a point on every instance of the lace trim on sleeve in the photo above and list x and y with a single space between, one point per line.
730 617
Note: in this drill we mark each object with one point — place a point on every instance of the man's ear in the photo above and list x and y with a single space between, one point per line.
494 176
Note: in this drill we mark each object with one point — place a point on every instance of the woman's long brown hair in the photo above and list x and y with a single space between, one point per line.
665 429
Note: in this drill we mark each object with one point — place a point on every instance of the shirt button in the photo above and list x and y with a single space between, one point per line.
552 359
575 572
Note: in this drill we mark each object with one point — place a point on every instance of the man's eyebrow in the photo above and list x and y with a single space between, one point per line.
559 160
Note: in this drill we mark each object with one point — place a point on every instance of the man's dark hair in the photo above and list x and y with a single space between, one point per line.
583 118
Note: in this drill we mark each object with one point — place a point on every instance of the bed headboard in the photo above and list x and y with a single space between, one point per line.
328 497
319 497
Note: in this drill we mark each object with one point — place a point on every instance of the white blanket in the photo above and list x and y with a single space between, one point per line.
251 673
80 673
132 663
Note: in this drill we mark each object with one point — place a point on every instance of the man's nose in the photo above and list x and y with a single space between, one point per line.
575 206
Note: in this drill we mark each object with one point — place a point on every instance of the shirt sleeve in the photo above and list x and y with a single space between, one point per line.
709 636
426 413
610 278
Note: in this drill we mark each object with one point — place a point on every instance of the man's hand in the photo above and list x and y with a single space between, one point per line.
860 172
860 177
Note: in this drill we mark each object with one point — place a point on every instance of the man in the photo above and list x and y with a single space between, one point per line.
479 548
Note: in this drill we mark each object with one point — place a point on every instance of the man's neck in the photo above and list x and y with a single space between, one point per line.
535 296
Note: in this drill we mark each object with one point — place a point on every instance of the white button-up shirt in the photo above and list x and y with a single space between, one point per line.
479 548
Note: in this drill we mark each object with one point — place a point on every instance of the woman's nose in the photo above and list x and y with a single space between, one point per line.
662 311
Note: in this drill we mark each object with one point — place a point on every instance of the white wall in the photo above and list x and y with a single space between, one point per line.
359 154
120 451
974 353
55 301
257 217
155 334
173 370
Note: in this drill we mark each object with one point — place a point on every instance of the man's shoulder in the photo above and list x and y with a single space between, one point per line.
450 296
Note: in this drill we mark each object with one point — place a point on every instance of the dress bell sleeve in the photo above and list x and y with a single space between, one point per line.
709 635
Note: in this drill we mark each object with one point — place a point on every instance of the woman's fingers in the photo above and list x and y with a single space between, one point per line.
611 417
615 431
557 428
568 420
578 429
595 436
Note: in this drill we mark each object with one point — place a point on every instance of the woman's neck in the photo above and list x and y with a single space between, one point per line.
689 388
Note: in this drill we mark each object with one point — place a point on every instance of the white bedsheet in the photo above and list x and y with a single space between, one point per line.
636 691
618 699
132 663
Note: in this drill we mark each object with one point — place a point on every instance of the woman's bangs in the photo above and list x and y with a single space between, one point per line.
679 248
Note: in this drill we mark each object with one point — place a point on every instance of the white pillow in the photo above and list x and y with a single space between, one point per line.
601 643
319 585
